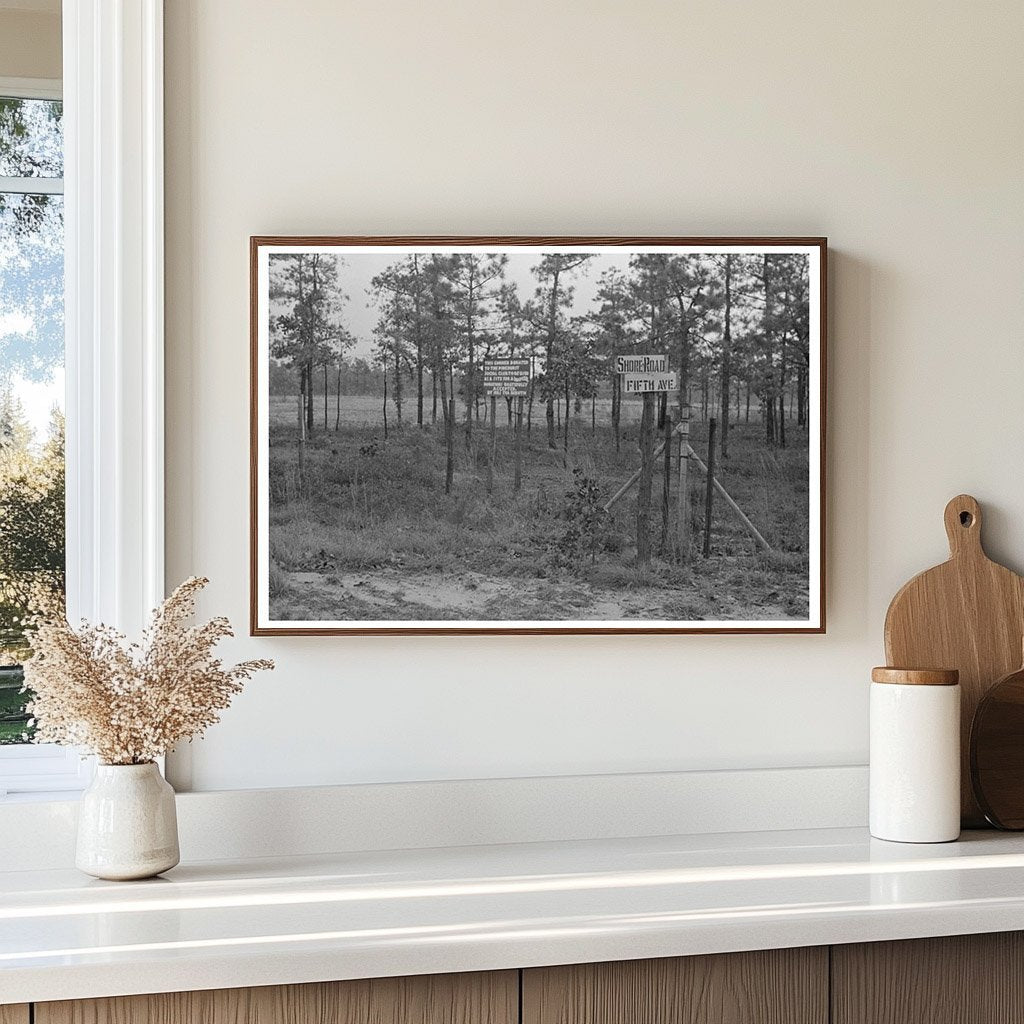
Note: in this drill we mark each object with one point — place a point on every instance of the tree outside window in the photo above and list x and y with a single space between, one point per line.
31 386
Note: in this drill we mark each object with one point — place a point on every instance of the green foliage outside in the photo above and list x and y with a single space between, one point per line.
31 350
31 544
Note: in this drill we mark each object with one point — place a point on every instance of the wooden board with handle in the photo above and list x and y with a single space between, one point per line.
967 614
997 752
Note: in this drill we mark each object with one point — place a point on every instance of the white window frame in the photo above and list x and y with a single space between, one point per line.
114 264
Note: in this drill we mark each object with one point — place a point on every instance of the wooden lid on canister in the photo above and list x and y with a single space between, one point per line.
916 676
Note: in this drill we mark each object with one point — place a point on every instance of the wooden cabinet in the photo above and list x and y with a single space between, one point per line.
963 979
971 979
491 998
779 986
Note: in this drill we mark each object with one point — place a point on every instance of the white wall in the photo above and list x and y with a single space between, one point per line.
895 129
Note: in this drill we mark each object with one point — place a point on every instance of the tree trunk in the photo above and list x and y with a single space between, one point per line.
302 447
768 401
439 377
326 389
417 298
398 386
471 376
449 440
311 350
782 393
309 397
552 331
801 395
726 358
565 435
684 354
616 409
337 409
666 486
438 368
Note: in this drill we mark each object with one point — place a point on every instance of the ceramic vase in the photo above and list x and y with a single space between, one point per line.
127 824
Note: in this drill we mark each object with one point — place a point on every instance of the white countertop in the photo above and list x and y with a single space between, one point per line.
357 915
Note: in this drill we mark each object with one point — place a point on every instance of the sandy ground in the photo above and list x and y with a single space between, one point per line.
391 594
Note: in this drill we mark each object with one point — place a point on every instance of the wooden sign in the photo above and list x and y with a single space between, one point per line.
656 363
507 378
644 383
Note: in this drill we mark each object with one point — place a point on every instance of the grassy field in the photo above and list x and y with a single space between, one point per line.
367 532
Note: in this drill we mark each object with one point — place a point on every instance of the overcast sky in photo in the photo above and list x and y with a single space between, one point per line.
361 311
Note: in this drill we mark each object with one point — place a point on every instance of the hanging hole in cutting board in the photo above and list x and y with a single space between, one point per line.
966 519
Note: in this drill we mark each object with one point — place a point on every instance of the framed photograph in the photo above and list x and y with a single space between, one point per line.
537 435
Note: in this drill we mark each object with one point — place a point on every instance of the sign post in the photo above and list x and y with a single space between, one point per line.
709 494
643 502
647 376
683 497
493 445
508 378
518 479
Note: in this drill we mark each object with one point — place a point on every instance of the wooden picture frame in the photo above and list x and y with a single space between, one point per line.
366 519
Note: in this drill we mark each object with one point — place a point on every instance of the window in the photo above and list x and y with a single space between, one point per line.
111 206
32 531
31 382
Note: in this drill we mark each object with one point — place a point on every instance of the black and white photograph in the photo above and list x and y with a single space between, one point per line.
537 435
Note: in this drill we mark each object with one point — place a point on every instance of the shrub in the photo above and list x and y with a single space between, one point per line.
585 523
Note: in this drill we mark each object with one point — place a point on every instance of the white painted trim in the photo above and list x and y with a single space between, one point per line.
32 186
114 320
246 824
32 88
42 768
113 84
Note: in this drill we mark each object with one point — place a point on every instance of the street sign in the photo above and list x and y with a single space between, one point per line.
656 363
507 378
642 383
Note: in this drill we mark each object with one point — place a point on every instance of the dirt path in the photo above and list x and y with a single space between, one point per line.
389 594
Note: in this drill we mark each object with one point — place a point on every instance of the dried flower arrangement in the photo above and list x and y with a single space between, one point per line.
130 703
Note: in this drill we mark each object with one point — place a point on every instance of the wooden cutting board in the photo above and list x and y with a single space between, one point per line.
997 752
967 614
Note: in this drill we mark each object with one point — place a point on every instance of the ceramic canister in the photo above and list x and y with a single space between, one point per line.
915 755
